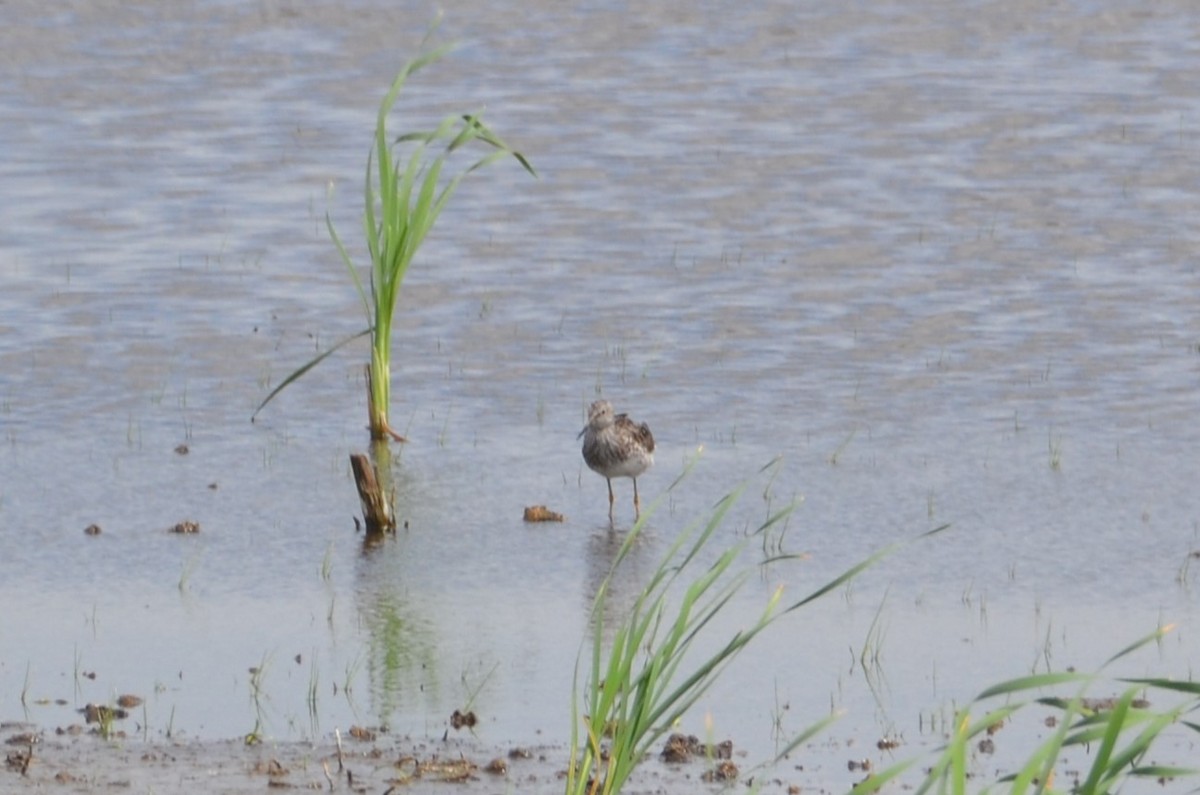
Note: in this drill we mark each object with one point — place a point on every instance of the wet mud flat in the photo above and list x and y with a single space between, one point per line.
359 762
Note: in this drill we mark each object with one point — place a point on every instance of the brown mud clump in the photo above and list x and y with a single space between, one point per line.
460 719
681 748
540 513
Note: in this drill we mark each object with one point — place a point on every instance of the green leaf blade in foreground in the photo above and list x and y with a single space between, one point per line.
651 650
1032 682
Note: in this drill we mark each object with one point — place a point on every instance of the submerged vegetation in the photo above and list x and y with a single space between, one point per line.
403 197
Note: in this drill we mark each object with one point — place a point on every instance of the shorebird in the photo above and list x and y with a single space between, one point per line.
616 447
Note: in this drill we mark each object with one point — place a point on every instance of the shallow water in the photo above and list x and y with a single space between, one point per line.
941 259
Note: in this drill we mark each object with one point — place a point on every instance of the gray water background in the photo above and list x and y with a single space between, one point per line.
940 257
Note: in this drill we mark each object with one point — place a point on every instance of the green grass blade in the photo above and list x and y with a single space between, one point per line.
877 781
1165 771
806 735
1152 637
1113 726
1190 688
1127 756
305 368
1032 682
358 285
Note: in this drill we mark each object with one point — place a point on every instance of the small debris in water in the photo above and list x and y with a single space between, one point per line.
1108 704
459 719
888 744
359 733
520 753
185 528
987 746
724 771
24 738
497 767
995 727
272 769
213 485
412 768
18 761
182 449
92 530
540 513
129 701
863 765
100 713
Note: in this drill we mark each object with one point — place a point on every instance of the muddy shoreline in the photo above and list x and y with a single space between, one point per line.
66 761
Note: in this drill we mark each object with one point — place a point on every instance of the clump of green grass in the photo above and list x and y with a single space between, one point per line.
1117 733
646 681
403 197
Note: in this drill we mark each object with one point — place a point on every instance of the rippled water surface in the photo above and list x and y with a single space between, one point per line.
940 258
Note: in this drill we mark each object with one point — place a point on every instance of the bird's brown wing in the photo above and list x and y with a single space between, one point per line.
640 433
645 437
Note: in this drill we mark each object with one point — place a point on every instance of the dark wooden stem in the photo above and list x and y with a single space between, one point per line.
376 505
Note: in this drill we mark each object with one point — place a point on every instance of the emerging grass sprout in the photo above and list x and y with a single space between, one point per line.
258 697
635 693
403 199
25 690
314 681
327 563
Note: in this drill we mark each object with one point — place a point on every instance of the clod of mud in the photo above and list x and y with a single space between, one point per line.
540 513
24 738
435 769
461 719
19 761
724 771
270 768
681 748
361 734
